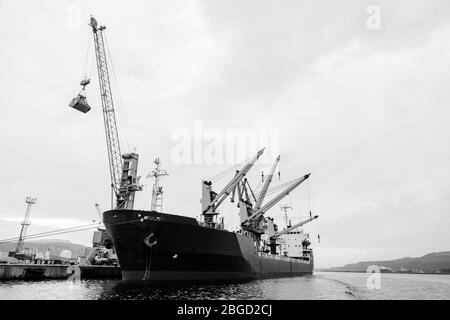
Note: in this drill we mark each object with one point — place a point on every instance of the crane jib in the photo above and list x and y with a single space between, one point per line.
123 168
275 200
112 140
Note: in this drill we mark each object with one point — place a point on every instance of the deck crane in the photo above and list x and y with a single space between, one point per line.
122 167
276 234
211 200
263 192
259 212
246 197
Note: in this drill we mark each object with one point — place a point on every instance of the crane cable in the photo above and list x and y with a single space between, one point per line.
47 232
86 59
67 230
227 171
224 173
258 188
272 190
309 203
122 121
53 232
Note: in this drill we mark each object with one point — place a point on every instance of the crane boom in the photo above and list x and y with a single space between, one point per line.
233 183
295 226
263 192
109 116
275 200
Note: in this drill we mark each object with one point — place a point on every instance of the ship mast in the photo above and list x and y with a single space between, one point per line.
266 184
157 191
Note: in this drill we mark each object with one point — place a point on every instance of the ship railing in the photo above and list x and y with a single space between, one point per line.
280 257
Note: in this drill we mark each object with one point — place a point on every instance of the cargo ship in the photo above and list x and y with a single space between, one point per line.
162 247
159 247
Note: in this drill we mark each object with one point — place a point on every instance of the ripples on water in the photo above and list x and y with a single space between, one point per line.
321 285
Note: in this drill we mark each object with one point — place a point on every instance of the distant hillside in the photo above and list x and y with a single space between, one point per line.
436 262
55 247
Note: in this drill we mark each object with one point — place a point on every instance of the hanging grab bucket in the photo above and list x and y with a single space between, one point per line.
80 103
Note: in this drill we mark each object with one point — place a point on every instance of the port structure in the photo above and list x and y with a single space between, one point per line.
25 223
122 167
157 190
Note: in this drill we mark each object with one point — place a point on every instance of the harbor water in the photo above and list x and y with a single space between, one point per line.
321 285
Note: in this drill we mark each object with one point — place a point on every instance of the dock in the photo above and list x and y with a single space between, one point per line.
24 271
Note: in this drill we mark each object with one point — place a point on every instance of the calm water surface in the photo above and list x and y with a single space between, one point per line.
321 285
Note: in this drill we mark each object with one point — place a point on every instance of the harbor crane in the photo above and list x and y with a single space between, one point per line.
122 167
101 226
25 223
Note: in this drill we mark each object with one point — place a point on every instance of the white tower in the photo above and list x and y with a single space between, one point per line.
157 192
25 223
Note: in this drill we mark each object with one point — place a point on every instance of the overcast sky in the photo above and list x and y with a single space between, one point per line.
362 104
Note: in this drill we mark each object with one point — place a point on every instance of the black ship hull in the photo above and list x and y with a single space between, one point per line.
161 247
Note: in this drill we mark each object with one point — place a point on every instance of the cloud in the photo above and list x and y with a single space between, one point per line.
364 110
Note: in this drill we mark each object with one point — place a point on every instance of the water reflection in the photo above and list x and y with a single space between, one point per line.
321 285
143 291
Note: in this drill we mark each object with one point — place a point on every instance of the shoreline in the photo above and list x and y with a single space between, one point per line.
397 272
